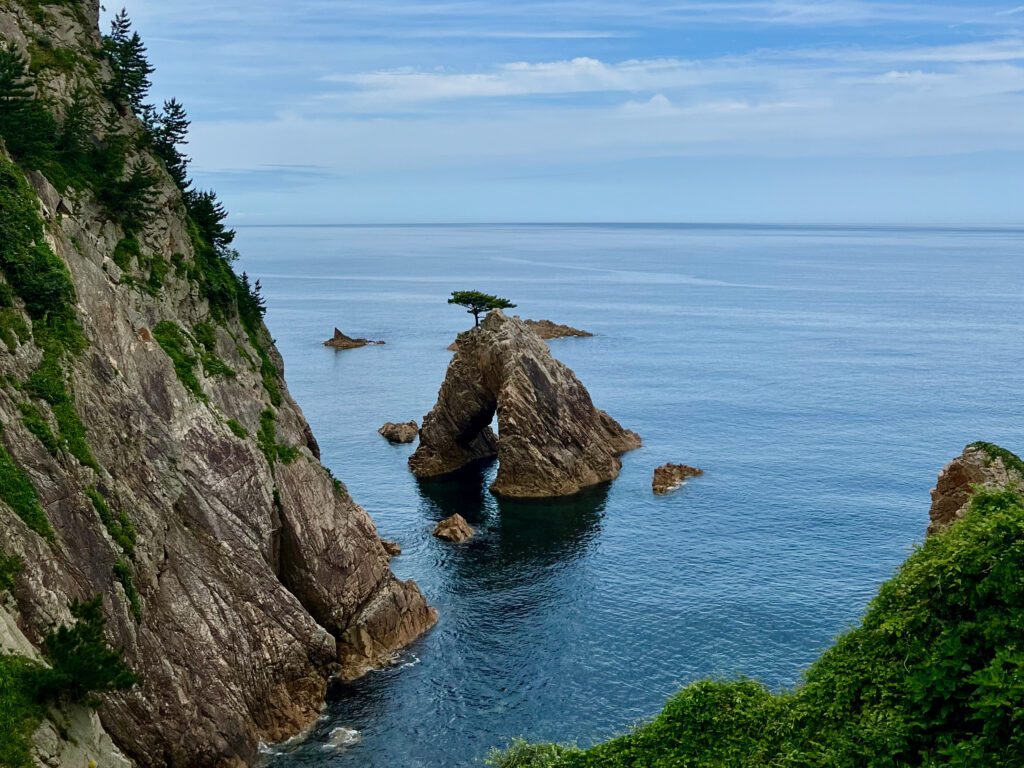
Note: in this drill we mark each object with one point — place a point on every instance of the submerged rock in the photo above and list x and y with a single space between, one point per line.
553 441
546 329
981 465
668 477
404 432
340 341
454 528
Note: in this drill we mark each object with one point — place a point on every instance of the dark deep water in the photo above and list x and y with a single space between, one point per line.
820 377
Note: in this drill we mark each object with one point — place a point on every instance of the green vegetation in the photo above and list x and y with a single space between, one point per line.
17 491
1010 460
127 57
266 438
13 329
37 424
238 429
477 303
10 567
126 252
123 573
933 676
44 56
81 665
120 528
206 336
172 340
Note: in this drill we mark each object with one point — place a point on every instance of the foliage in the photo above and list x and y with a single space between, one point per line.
126 54
1010 460
127 251
119 526
172 340
266 438
17 491
13 329
10 567
20 709
168 130
37 424
130 198
237 428
477 302
123 573
933 676
81 661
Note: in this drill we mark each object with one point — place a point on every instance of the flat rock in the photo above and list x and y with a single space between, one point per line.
404 432
552 440
454 528
546 329
668 477
981 465
340 341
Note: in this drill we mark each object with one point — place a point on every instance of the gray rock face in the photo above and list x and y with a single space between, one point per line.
553 441
979 466
258 576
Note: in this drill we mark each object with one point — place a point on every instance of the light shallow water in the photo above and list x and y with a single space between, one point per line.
820 376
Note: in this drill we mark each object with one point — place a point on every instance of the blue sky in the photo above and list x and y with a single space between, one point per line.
366 111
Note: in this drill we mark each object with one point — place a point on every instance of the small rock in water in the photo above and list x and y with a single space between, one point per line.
342 737
454 528
340 341
391 547
399 433
668 477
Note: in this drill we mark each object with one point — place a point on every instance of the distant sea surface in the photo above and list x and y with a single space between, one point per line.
820 376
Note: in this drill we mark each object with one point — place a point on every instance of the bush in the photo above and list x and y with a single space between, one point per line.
120 528
37 424
123 573
933 676
238 429
266 438
17 491
20 709
172 340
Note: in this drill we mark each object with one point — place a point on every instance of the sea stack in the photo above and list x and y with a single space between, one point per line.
980 466
340 341
552 440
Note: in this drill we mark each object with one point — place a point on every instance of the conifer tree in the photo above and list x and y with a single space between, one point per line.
127 55
169 130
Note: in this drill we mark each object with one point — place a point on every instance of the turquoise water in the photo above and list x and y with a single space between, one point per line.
820 377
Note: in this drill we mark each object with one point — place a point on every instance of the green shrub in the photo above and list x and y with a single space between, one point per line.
37 424
173 342
1010 459
13 329
158 269
19 494
237 428
933 676
82 663
128 251
120 528
20 709
266 438
123 573
10 567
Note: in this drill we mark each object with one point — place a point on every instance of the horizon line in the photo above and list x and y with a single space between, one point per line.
694 224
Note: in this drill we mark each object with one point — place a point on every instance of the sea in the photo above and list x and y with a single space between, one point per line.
820 376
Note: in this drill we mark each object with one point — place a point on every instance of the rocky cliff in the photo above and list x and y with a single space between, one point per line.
151 453
553 441
981 466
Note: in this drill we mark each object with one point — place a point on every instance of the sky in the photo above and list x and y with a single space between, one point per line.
747 111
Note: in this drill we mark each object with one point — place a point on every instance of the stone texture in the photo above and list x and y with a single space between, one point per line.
546 329
391 547
257 581
976 467
454 528
404 432
668 477
340 341
553 441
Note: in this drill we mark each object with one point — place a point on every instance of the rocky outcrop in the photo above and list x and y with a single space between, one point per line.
399 433
253 576
553 441
340 341
454 529
668 477
546 329
981 465
391 547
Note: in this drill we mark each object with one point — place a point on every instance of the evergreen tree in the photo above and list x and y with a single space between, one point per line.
15 88
127 55
169 130
27 128
209 214
477 303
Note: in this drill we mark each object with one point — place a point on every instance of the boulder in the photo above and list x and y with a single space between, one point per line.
552 440
391 547
404 432
668 477
454 528
340 341
981 465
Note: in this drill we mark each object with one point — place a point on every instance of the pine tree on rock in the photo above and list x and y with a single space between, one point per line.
127 55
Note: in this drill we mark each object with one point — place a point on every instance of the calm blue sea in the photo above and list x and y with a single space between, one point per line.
820 376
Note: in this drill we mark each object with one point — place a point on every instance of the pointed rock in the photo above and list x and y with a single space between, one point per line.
454 528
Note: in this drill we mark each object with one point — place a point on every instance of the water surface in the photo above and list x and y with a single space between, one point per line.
820 377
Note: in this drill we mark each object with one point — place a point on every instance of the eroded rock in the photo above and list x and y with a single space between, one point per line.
454 528
340 341
391 547
546 329
668 477
404 432
981 465
553 441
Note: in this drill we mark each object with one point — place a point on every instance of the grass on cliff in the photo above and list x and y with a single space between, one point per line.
17 491
933 676
118 525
